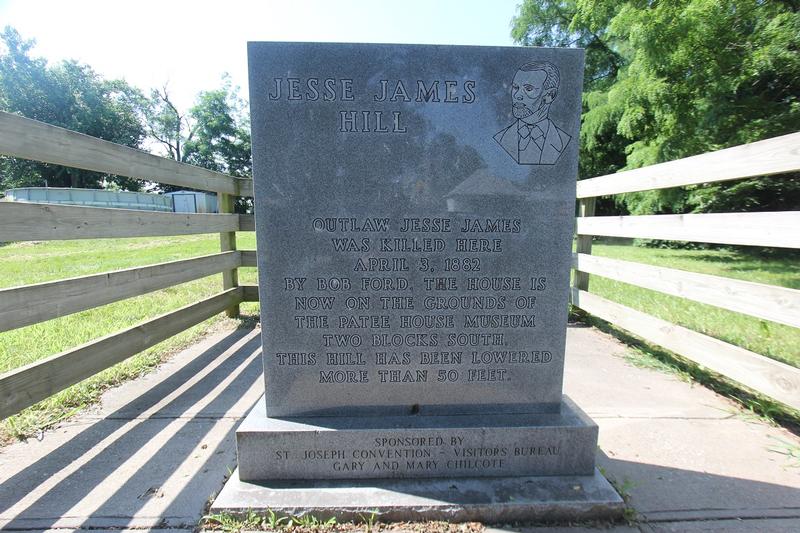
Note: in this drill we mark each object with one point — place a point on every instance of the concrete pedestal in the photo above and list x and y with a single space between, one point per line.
454 446
498 467
489 500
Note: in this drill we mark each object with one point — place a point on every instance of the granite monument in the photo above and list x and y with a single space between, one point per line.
414 215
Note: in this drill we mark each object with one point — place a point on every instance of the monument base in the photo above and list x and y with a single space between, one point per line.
415 447
490 468
488 500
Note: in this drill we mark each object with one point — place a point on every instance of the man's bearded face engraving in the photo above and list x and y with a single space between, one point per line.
530 101
534 139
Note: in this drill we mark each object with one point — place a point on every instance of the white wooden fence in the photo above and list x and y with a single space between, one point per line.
30 304
22 306
768 229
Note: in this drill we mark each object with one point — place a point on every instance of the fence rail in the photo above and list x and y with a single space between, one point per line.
248 258
778 304
772 229
767 376
37 381
250 293
20 306
762 158
767 229
31 304
47 222
31 139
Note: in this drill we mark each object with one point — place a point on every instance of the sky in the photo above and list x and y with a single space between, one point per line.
188 45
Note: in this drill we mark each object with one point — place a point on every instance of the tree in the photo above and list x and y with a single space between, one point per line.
213 134
666 80
165 123
221 134
69 95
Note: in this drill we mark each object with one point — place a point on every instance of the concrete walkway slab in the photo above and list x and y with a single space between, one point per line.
605 385
151 456
159 447
768 525
680 451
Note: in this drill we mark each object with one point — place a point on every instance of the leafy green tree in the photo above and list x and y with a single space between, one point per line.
166 124
666 80
213 134
221 133
69 95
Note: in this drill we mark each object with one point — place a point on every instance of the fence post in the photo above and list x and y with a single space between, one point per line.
227 242
584 246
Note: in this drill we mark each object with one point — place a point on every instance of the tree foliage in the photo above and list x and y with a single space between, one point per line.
221 132
666 80
214 133
166 124
70 95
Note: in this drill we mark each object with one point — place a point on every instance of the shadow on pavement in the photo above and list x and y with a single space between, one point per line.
660 493
173 431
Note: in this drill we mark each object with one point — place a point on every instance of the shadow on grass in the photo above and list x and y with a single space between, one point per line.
745 259
751 263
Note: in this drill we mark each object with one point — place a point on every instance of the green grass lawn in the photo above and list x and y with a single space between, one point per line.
768 338
27 263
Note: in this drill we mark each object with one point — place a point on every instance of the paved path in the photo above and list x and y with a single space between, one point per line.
159 447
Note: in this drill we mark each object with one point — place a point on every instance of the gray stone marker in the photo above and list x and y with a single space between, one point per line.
414 218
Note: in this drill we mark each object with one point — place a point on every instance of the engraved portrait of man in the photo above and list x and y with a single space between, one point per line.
533 139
